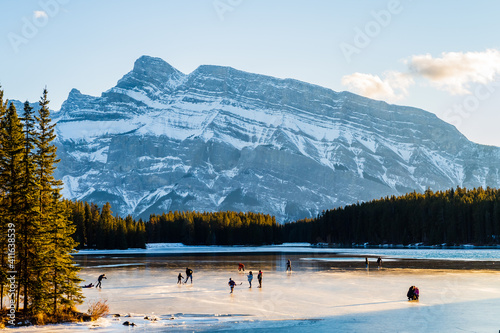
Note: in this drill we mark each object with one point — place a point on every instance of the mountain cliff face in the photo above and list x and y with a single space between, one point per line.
223 139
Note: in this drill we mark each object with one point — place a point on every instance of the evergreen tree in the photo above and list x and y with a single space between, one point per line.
11 178
3 200
60 271
29 229
55 270
3 224
46 158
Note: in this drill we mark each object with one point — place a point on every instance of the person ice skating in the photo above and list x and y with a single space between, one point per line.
259 277
231 284
367 263
250 278
179 278
379 263
241 267
189 274
99 279
288 265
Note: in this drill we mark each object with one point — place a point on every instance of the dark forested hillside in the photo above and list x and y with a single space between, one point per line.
97 228
455 216
221 228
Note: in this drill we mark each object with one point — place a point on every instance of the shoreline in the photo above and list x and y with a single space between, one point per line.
320 261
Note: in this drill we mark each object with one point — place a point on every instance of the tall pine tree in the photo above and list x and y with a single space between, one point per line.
29 230
56 270
3 205
61 272
12 178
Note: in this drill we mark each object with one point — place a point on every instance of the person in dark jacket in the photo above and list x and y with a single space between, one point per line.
231 284
189 274
409 294
99 279
259 277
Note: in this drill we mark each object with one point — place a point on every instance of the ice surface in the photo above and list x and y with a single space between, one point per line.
314 298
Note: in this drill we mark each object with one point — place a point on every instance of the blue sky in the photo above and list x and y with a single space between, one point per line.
441 56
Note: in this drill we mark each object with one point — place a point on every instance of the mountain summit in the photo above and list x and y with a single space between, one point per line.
223 139
153 75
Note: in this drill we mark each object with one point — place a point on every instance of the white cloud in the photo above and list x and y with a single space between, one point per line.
393 87
456 71
39 14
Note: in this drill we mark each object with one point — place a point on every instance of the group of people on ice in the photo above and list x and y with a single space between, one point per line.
232 283
379 263
412 294
241 267
189 275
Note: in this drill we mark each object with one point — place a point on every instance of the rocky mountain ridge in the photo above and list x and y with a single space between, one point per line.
223 139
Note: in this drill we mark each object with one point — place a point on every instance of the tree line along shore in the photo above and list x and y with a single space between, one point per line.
453 217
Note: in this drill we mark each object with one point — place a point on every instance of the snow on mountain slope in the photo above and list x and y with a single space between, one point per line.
223 139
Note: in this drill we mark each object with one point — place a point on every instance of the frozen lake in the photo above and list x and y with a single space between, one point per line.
324 293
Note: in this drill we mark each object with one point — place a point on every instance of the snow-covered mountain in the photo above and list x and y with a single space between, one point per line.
20 106
222 139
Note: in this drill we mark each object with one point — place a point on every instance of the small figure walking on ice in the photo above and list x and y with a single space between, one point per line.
288 265
259 277
231 284
179 278
99 279
379 262
250 278
367 263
